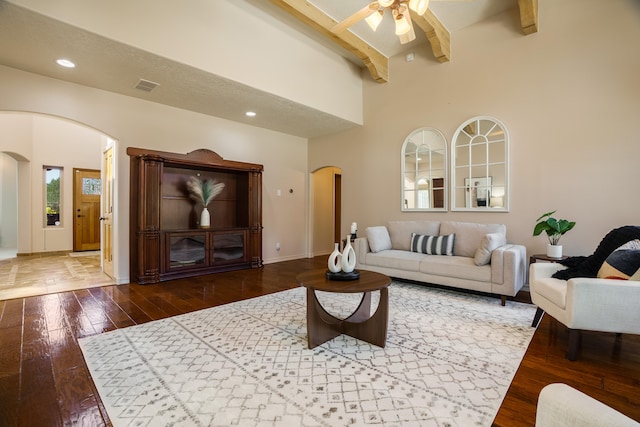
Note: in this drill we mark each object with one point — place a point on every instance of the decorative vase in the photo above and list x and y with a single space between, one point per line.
335 260
205 218
348 257
554 251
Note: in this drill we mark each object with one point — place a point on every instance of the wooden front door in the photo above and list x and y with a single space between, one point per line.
87 187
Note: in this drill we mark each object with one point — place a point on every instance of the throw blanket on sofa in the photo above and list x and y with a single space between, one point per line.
588 266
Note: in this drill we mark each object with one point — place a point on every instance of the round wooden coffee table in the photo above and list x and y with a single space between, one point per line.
361 324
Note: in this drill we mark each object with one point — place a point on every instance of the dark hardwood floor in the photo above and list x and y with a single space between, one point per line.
45 382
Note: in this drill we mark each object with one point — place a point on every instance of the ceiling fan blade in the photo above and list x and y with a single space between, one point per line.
358 16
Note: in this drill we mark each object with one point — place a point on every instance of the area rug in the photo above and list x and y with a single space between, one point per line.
448 361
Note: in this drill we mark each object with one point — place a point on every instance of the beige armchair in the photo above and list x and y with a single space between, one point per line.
605 305
562 406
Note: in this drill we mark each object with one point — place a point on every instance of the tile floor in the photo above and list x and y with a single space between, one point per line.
27 276
6 253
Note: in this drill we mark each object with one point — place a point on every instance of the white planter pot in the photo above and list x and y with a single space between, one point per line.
554 251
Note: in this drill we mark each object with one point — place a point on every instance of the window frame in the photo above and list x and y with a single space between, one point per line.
57 222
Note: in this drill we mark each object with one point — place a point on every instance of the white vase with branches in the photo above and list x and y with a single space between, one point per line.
204 191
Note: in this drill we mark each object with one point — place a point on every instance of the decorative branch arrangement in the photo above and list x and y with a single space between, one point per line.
204 191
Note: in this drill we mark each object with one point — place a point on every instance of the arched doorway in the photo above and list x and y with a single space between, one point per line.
326 209
38 143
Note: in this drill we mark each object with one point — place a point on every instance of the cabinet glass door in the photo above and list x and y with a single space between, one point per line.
229 247
187 249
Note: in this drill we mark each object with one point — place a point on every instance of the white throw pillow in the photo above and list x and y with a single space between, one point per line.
378 238
488 243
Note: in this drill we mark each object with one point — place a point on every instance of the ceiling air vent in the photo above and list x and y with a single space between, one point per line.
146 85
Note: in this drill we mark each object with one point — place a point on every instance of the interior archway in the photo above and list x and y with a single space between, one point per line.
326 209
33 141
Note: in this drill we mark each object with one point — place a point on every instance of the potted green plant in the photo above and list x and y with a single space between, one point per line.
554 228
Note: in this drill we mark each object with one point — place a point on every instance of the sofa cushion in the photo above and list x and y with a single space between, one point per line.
456 267
432 245
399 260
555 290
469 235
488 244
400 232
623 263
378 238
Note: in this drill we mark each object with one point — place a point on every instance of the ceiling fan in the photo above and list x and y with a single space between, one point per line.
400 10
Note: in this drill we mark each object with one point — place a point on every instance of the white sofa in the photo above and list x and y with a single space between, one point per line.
562 406
480 260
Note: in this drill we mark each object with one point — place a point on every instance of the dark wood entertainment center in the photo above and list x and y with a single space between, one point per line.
166 240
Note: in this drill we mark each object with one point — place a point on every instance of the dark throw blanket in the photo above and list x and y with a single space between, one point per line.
588 266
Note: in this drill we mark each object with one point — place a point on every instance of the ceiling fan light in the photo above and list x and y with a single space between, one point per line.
385 3
374 19
402 25
419 6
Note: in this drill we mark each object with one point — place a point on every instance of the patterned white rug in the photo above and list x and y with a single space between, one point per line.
449 360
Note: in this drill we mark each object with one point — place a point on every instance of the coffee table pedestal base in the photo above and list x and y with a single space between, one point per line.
322 326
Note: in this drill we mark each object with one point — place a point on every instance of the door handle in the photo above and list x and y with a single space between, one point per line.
102 218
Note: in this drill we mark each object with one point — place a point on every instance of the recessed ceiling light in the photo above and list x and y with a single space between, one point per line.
66 63
250 113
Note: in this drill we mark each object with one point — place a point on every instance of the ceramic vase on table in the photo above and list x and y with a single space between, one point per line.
554 251
205 218
348 257
335 260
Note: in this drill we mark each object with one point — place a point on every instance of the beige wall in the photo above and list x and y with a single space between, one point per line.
569 96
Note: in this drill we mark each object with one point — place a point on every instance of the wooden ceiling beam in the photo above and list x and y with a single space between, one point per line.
376 62
438 36
528 16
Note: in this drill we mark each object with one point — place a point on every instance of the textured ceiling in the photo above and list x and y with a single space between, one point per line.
31 42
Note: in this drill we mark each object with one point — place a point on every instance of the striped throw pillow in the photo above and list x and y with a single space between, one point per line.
432 245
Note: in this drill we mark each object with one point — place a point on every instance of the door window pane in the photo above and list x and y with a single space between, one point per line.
91 186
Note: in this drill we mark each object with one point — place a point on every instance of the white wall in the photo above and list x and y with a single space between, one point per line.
138 123
8 202
235 39
569 96
47 141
